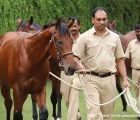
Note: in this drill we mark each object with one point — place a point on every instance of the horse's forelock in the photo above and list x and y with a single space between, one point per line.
63 29
23 23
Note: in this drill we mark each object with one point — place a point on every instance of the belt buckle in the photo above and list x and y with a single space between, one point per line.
99 75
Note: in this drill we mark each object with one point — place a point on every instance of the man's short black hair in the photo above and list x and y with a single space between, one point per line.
96 9
137 27
75 18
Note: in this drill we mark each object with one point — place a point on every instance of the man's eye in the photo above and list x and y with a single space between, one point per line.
104 19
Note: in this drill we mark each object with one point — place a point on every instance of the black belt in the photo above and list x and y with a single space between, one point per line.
137 69
100 75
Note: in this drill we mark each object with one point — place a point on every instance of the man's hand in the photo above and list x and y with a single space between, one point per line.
126 84
79 65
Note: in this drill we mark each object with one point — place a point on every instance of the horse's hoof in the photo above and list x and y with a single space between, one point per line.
124 111
53 118
138 117
58 119
79 116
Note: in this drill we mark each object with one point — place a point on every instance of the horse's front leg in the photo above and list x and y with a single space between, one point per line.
59 97
7 100
41 102
19 99
34 109
59 115
53 98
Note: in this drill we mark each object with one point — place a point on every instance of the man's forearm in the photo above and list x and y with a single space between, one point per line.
121 68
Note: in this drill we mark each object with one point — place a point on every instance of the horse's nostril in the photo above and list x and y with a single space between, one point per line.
71 71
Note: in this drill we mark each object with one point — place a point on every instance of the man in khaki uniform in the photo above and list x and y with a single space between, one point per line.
133 52
71 95
102 50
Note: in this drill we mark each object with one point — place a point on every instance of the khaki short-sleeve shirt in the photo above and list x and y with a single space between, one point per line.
133 52
99 52
74 45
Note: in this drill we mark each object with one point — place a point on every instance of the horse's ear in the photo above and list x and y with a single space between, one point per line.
18 21
70 23
31 20
59 22
114 23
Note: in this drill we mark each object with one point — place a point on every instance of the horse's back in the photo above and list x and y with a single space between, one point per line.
127 38
130 36
9 43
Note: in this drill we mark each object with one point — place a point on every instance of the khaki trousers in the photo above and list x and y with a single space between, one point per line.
71 95
136 79
100 90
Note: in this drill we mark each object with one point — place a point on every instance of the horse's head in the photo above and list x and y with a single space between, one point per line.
111 25
63 43
27 26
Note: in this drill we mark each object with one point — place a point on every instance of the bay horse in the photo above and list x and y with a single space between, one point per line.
24 65
125 40
56 96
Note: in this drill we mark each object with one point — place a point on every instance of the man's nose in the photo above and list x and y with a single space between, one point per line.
73 28
101 21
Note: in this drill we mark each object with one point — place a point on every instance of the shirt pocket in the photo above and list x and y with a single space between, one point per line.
92 48
111 48
133 53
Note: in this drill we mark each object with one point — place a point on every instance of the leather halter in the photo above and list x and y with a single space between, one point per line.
59 55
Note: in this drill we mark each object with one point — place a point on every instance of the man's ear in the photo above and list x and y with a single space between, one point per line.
79 27
92 20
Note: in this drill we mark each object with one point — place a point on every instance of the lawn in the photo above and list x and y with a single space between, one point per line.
27 112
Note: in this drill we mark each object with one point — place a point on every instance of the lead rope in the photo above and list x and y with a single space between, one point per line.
129 99
64 81
94 102
84 89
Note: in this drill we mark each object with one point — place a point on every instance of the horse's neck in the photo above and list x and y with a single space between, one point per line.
37 46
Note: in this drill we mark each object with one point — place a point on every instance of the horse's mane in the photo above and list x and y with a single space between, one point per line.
38 26
48 25
62 27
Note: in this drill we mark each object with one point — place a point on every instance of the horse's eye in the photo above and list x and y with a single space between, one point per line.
59 42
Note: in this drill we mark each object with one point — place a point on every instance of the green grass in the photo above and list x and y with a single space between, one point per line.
27 112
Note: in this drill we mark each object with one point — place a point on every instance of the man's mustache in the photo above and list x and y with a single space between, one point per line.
73 30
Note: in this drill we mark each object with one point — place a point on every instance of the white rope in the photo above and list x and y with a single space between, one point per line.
65 81
132 82
97 103
129 99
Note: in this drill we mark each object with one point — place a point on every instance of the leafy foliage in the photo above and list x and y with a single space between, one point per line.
126 12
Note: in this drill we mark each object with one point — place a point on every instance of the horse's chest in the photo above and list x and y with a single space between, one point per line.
32 85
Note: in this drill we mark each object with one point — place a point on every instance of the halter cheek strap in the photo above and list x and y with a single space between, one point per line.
58 52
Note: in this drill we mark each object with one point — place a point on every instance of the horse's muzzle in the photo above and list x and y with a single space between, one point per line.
71 71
